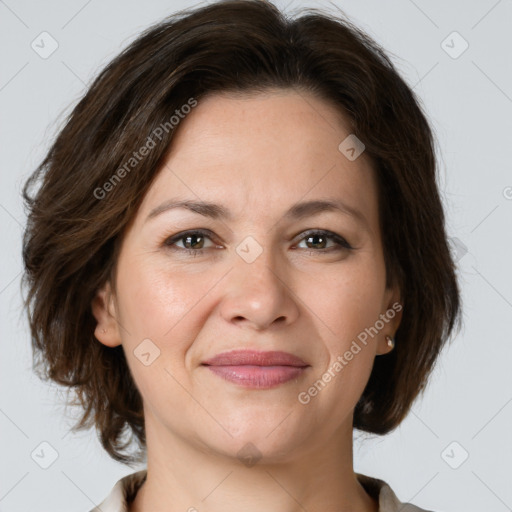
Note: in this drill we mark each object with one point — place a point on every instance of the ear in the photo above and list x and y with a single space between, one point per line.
103 309
391 316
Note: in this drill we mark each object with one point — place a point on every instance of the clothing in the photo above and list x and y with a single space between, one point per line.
126 488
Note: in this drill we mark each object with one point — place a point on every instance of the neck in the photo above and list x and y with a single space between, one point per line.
185 476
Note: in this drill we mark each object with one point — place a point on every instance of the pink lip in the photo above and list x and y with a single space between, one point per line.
255 369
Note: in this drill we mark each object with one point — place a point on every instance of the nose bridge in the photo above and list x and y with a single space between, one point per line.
257 290
256 267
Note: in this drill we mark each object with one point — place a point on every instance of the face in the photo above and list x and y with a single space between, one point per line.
271 268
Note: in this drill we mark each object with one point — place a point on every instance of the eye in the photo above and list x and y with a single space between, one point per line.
318 239
192 241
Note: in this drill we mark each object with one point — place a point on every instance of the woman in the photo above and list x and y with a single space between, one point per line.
237 255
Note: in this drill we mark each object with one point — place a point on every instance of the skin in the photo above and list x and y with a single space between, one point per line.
257 156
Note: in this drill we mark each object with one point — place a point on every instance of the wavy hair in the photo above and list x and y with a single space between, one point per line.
72 237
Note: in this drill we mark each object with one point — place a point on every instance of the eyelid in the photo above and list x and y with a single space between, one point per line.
340 241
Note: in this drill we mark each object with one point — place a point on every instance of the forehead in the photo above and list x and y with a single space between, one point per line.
277 122
263 150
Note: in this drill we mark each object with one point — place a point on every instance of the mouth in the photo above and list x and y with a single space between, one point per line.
254 369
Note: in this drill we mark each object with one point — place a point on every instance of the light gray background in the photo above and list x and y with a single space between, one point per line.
469 102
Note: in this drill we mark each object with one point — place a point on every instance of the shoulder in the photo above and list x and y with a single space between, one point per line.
385 496
122 493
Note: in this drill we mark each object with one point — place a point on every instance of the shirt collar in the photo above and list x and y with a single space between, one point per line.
126 488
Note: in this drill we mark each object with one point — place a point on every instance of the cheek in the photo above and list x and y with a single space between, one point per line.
168 309
153 302
348 303
347 300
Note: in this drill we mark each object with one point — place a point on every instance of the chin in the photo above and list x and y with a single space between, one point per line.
261 439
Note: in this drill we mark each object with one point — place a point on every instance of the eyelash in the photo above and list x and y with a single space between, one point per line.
340 241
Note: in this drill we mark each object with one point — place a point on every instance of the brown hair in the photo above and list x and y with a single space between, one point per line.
73 233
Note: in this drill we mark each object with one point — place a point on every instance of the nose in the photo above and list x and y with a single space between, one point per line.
259 295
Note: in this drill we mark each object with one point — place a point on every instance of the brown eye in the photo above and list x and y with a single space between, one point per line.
193 241
318 240
190 241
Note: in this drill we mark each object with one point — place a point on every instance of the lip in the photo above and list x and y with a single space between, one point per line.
255 358
255 369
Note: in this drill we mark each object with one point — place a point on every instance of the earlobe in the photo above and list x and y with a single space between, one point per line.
386 344
103 310
393 314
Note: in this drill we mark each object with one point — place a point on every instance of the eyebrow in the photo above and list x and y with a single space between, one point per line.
297 211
